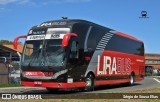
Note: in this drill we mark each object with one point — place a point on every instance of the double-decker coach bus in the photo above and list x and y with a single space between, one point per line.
72 53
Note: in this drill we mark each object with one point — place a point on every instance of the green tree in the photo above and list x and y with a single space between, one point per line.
7 42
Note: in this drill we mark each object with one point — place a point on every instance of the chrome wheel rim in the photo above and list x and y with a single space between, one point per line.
88 82
131 80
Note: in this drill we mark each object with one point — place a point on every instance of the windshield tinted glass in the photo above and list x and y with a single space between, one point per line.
51 54
32 52
54 54
47 51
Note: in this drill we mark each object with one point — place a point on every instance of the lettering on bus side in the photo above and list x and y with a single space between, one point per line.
53 36
51 23
113 65
45 24
36 37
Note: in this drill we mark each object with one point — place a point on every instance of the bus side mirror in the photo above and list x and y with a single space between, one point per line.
15 42
66 39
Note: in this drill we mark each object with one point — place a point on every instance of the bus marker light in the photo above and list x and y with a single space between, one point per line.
87 58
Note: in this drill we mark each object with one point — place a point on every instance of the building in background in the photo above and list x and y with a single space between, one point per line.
19 47
9 63
152 63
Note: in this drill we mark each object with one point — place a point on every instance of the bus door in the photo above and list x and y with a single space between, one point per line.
72 53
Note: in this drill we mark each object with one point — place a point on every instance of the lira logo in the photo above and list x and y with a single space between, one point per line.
113 65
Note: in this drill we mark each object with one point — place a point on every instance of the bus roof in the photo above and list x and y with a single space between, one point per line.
128 36
64 22
70 22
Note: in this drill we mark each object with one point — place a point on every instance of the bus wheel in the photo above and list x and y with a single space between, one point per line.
131 82
89 83
52 89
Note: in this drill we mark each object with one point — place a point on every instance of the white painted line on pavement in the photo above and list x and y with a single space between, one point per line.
156 80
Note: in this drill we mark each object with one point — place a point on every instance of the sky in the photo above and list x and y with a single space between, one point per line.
18 16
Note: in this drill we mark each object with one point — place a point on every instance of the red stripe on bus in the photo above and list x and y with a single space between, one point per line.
109 82
128 36
139 79
53 84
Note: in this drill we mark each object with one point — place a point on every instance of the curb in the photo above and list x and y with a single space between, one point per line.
19 88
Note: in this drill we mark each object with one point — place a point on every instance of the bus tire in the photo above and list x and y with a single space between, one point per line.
132 80
52 89
89 80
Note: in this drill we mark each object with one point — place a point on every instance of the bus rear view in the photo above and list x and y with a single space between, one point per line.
79 54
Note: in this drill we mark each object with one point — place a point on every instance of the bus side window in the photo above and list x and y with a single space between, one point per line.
74 50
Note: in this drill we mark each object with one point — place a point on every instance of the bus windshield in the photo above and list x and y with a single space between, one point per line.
45 52
54 53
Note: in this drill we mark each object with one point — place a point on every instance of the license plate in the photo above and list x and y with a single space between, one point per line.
38 83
